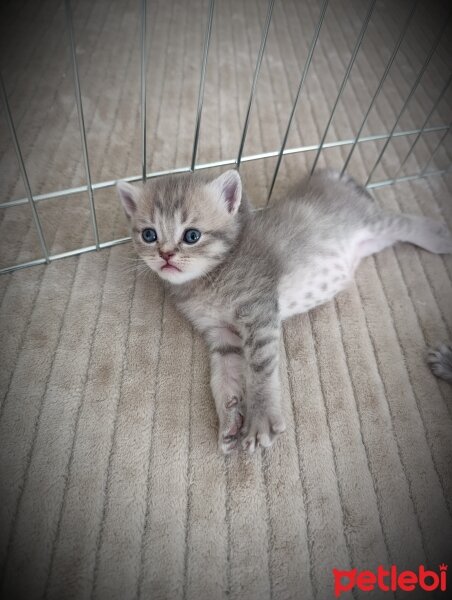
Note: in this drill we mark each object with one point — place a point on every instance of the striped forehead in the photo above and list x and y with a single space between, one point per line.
170 224
167 205
173 205
169 195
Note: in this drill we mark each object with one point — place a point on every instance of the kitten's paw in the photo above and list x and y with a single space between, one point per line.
440 361
230 424
445 239
262 430
441 237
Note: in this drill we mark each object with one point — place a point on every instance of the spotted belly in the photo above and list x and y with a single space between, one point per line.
307 288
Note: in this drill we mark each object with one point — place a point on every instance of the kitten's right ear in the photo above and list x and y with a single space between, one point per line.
128 194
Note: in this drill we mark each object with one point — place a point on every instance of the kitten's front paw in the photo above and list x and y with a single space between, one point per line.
440 361
441 237
262 427
230 424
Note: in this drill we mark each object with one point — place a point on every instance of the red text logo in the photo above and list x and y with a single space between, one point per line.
390 580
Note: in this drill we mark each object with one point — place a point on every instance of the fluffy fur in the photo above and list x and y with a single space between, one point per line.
252 269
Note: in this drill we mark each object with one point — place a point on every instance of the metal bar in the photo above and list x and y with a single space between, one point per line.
443 137
380 85
427 119
202 82
410 95
386 182
78 98
345 79
143 90
23 170
68 254
297 96
25 265
220 163
255 78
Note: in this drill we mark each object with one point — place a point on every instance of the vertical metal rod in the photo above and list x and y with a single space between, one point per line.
297 96
410 95
255 78
143 89
202 83
344 81
78 98
424 125
380 85
23 171
438 146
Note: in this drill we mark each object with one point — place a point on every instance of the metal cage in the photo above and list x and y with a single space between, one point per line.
315 150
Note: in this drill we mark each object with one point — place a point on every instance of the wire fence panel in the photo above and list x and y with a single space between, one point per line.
341 83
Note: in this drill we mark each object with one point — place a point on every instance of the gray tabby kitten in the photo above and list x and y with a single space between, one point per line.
237 274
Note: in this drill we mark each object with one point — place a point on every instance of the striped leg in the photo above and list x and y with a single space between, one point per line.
263 418
226 380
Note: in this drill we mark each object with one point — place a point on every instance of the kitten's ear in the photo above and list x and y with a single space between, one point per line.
228 188
128 194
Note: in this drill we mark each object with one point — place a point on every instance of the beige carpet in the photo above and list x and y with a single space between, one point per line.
111 483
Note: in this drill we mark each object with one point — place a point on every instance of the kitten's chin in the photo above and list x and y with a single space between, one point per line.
176 277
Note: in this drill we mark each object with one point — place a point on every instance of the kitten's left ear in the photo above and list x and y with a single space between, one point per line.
228 188
128 194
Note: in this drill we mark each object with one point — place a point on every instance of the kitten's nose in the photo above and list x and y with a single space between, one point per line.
166 255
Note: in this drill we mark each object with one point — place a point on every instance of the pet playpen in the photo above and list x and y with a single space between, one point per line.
410 9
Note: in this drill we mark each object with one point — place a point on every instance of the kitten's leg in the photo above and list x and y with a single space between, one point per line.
226 381
440 361
421 231
260 324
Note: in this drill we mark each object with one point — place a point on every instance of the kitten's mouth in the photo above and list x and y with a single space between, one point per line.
169 267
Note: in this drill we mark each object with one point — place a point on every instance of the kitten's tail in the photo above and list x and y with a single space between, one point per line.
421 231
440 361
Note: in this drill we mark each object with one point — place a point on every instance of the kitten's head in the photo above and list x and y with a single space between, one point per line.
182 226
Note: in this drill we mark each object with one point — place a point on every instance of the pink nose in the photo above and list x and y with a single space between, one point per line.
166 255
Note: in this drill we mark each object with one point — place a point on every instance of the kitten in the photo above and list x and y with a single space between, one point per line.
237 274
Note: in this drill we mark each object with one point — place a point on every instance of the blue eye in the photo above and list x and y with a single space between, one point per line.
149 235
191 236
